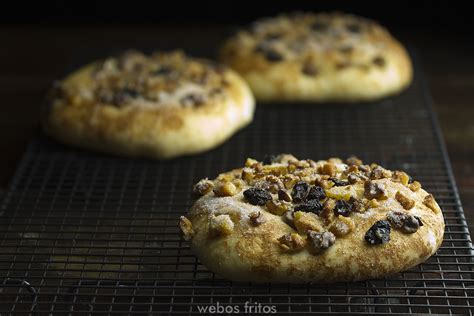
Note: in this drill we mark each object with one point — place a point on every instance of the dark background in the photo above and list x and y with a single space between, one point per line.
429 15
41 40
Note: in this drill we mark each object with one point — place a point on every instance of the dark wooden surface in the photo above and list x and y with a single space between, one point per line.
31 57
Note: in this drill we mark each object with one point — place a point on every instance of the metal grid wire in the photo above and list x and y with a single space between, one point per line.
83 232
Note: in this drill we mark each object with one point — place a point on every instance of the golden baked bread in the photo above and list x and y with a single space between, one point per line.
318 58
290 220
158 106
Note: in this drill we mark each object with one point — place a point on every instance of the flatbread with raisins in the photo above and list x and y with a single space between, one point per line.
290 220
326 57
158 106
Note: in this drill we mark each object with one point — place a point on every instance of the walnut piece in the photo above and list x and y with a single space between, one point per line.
404 201
306 221
320 241
186 228
374 190
277 207
430 202
291 242
225 188
329 169
220 225
415 186
400 176
256 218
342 226
380 173
353 161
203 187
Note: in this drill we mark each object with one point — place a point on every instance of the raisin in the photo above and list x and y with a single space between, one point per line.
316 193
353 27
309 70
124 95
300 191
419 220
342 208
272 36
269 159
192 99
346 49
379 61
379 233
256 196
272 55
313 206
339 183
319 26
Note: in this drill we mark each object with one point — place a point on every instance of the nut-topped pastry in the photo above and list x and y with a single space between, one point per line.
290 220
318 57
159 106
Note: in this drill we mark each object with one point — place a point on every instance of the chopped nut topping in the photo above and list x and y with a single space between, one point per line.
186 228
203 187
291 242
415 186
284 196
289 218
342 226
372 203
221 225
374 190
320 241
380 173
353 161
400 176
404 201
356 205
328 211
289 181
247 174
225 188
430 202
256 218
250 162
278 207
329 169
275 183
306 221
405 222
356 177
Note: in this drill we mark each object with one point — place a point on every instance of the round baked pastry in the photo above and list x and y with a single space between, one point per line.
290 220
158 106
318 57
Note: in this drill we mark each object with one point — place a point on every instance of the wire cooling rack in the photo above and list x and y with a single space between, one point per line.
84 232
